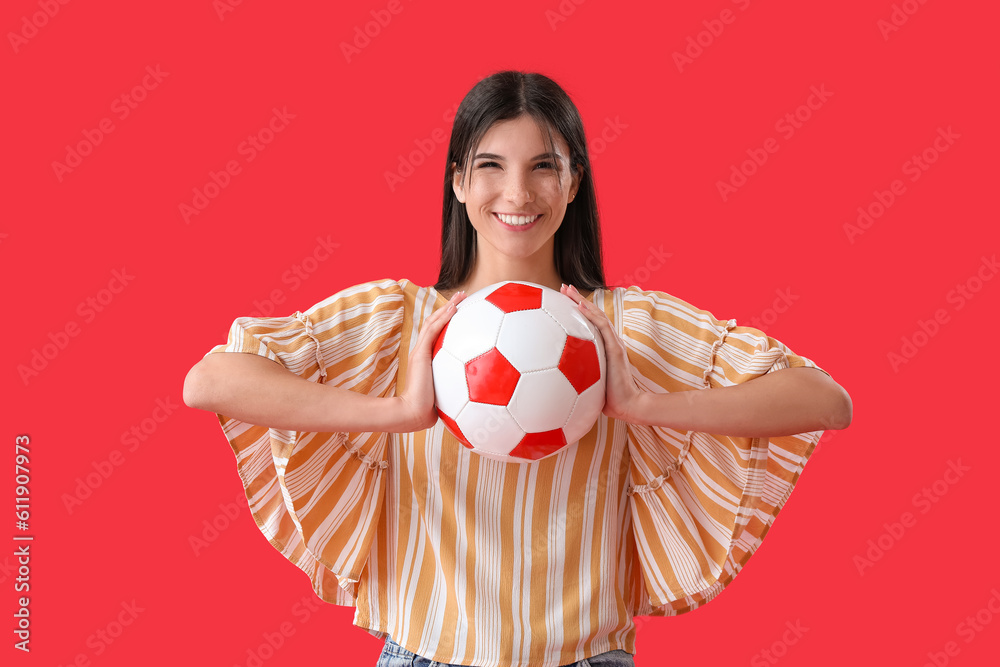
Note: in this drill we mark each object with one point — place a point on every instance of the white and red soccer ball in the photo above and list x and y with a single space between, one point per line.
519 372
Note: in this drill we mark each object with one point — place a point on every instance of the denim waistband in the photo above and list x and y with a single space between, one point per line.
404 657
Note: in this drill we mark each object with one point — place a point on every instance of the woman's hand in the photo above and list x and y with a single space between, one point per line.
417 399
621 392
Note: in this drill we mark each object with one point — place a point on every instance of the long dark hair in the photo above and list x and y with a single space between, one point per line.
505 96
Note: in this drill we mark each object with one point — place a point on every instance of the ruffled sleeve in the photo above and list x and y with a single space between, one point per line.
317 497
701 503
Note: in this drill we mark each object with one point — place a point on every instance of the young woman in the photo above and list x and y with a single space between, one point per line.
465 560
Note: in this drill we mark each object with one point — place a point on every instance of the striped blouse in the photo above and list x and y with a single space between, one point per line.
464 559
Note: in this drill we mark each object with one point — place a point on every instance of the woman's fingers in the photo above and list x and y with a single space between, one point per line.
587 307
418 395
596 317
620 389
435 323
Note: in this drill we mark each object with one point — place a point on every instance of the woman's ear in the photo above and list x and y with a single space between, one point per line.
457 184
575 182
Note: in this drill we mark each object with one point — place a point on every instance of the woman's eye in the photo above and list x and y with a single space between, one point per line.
543 165
540 165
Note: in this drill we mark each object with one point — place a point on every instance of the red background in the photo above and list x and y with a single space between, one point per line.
324 175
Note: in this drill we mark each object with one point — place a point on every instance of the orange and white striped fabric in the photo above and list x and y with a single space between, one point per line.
463 559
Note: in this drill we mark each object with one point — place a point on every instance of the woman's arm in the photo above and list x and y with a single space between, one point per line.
785 402
260 391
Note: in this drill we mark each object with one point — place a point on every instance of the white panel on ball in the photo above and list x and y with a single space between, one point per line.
586 412
489 428
472 330
542 401
531 340
567 313
450 390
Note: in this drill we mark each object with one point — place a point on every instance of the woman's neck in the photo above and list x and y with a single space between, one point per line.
484 274
480 278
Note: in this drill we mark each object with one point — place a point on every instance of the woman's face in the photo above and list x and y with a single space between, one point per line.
514 199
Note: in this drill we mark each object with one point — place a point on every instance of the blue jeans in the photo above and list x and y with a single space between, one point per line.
394 655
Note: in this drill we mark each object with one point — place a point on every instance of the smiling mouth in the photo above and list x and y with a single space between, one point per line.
516 220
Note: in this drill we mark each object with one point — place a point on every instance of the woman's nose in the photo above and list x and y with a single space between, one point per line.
518 192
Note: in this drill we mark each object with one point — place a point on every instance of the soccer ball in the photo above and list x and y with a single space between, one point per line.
518 372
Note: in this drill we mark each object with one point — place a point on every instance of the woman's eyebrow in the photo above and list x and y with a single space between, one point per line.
494 156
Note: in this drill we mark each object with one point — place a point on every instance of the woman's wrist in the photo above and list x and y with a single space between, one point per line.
397 418
649 408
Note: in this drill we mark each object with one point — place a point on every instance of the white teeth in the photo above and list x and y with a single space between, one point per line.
517 220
